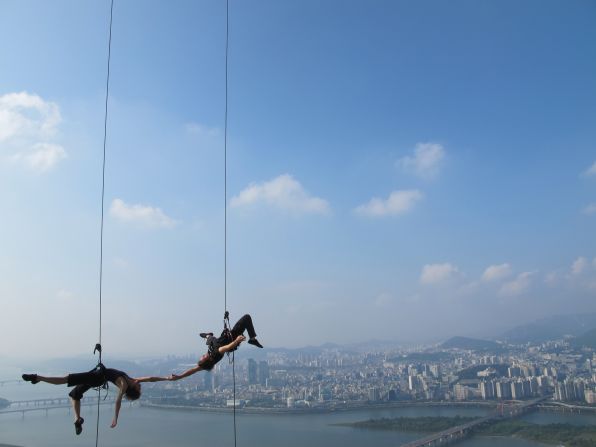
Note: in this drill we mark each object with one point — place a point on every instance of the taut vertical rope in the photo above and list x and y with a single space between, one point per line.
103 184
226 171
226 207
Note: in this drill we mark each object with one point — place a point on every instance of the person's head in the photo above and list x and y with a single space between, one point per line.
133 391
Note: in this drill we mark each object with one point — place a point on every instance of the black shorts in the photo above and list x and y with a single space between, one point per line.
83 382
207 362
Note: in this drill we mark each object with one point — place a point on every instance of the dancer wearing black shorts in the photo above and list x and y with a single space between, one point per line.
229 340
82 382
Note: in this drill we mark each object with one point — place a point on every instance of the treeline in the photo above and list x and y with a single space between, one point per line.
423 424
472 371
4 403
567 434
559 434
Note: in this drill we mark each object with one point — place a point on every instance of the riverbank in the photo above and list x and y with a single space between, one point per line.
560 407
424 424
340 407
555 434
352 406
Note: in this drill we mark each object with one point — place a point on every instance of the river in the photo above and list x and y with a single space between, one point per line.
152 427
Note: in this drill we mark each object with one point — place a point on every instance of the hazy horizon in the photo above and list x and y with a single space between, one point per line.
396 170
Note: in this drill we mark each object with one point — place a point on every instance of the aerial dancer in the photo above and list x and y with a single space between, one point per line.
97 377
228 341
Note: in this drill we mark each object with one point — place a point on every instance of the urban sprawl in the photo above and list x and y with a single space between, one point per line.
335 378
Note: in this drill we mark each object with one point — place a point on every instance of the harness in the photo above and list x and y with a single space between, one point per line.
213 343
100 370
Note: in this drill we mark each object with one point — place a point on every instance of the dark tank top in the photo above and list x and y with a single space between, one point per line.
112 375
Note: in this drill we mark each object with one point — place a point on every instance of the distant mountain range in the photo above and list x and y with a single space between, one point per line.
467 343
586 340
551 328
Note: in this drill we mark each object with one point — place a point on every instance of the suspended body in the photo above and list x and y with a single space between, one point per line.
82 382
228 341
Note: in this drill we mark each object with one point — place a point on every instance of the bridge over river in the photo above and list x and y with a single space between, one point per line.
51 403
456 433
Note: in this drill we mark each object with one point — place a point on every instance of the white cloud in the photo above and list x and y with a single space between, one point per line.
519 285
398 202
283 192
142 214
495 272
426 160
590 209
437 273
42 156
579 266
591 170
22 114
27 125
202 130
579 275
383 300
552 279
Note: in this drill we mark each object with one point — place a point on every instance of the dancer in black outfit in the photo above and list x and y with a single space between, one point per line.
229 340
82 382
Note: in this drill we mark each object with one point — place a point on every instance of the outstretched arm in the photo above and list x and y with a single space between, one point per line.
188 372
233 345
151 379
122 386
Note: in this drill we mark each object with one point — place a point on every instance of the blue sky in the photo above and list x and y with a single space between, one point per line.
396 170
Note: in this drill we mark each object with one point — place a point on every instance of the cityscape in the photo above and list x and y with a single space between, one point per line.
461 370
441 393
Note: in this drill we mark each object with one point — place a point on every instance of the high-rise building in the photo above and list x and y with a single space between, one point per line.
503 390
414 383
374 394
263 372
560 392
435 370
460 392
517 391
534 387
527 388
579 388
252 372
487 390
208 381
570 389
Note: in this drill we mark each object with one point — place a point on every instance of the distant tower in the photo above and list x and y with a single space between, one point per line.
208 380
487 390
252 372
503 390
373 394
436 371
517 390
263 372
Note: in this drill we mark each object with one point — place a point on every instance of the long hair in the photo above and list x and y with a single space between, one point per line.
133 393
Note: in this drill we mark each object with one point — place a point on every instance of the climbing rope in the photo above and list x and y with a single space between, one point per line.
103 184
226 209
226 172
